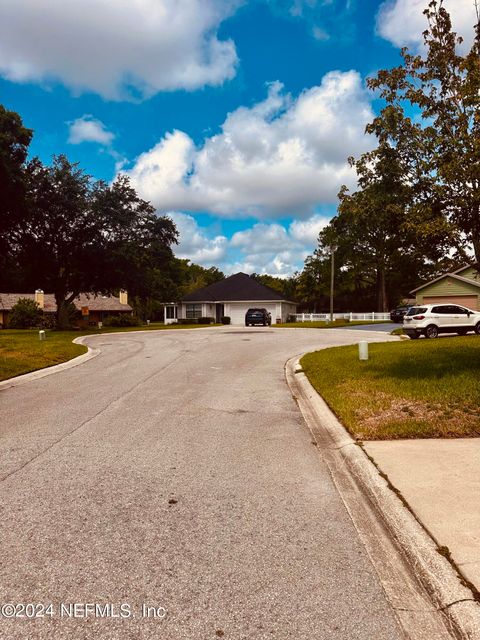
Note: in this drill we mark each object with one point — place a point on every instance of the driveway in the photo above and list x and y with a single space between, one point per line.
175 471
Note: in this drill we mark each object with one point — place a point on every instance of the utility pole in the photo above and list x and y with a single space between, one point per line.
333 248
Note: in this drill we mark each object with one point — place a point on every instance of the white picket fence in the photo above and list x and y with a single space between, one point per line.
325 317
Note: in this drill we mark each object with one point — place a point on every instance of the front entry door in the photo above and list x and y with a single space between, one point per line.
219 312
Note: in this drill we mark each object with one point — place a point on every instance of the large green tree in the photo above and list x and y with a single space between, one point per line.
442 143
14 142
285 286
191 276
80 235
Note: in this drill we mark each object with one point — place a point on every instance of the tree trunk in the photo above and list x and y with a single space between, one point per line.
63 321
381 290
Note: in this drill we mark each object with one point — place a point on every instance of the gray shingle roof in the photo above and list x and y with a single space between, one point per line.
90 300
239 287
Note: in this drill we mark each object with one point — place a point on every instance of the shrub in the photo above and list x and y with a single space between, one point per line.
122 320
187 321
291 318
225 319
48 321
206 320
25 314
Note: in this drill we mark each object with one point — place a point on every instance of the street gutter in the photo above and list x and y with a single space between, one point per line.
424 589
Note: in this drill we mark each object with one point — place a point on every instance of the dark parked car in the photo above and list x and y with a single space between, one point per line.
258 316
399 313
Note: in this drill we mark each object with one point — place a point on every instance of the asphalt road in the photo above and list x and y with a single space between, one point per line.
385 327
175 470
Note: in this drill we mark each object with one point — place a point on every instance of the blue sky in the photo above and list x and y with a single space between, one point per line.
235 117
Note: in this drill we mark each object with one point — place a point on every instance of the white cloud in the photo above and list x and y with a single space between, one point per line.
262 248
89 129
279 156
306 231
262 238
194 243
118 49
320 34
402 21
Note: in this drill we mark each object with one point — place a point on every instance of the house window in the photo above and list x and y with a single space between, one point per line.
194 311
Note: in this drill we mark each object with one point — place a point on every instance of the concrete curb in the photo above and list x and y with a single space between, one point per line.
48 371
74 362
434 572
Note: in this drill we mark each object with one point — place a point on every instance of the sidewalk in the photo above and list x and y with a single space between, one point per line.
440 480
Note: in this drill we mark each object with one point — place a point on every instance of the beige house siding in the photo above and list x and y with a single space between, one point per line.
450 290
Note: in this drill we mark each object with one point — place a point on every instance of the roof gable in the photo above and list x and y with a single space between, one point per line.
238 287
468 267
474 283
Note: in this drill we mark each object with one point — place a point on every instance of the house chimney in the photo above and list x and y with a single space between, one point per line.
40 298
123 297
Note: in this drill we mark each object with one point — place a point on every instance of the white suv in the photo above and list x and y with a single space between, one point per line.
432 319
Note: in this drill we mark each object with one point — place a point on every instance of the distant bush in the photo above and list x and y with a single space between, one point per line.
25 314
187 321
122 320
291 318
206 320
48 321
225 319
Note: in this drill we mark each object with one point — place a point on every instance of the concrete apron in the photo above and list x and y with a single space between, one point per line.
440 480
427 594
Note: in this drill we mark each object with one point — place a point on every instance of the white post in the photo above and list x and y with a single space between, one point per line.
351 316
363 350
41 334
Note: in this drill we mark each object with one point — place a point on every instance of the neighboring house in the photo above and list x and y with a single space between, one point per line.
458 287
91 308
232 297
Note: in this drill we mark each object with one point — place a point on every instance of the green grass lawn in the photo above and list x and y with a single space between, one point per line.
21 351
318 324
408 389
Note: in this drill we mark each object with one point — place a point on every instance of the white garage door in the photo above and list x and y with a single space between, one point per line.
466 301
238 310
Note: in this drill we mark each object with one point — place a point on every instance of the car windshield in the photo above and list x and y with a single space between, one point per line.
414 310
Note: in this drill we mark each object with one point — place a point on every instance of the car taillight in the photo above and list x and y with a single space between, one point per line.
419 317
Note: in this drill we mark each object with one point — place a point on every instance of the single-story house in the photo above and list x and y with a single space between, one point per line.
91 308
458 287
232 297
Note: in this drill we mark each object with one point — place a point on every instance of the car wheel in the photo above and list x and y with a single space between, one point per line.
431 331
477 328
